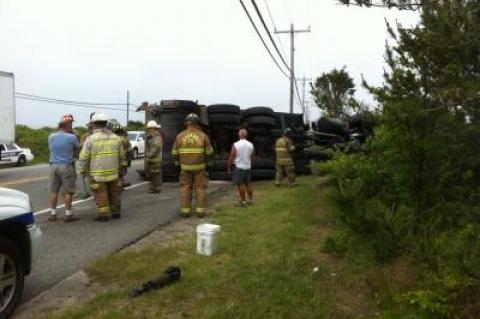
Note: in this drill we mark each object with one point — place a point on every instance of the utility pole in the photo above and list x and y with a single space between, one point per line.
292 32
305 111
128 107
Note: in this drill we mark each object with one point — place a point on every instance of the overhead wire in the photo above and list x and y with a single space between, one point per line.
282 50
260 16
67 101
75 105
262 40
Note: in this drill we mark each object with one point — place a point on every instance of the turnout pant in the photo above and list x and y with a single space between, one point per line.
285 171
155 180
107 197
193 181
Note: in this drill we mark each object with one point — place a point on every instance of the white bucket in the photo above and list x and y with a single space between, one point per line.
207 239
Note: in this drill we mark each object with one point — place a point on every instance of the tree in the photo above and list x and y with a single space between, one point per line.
333 93
135 126
419 176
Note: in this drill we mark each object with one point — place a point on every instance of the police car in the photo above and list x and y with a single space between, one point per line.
19 244
12 154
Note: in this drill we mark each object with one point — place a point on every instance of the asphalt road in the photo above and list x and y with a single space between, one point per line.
67 248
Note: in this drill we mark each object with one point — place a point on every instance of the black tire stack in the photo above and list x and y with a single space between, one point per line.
261 123
224 122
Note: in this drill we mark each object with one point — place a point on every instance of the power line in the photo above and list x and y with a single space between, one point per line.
66 101
261 39
70 104
274 27
269 34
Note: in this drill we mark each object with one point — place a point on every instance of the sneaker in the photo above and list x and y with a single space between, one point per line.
201 215
71 218
153 191
52 218
240 204
185 215
249 202
101 219
116 216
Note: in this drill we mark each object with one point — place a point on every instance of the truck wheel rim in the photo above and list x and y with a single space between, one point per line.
8 279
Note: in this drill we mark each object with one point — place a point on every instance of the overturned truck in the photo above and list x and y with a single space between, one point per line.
221 123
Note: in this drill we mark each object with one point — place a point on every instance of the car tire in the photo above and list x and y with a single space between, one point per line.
218 118
22 160
260 120
12 277
259 111
135 153
223 108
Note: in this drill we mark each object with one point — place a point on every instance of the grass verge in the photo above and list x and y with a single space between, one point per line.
271 263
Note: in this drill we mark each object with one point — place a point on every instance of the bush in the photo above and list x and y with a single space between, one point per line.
336 244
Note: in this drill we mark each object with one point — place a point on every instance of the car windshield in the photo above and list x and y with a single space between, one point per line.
132 136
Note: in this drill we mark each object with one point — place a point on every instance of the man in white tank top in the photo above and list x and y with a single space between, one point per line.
242 155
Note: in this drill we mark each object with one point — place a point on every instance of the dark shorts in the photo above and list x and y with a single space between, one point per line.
241 176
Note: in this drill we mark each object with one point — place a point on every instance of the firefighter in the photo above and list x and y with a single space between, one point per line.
88 132
284 149
193 152
103 159
153 155
121 132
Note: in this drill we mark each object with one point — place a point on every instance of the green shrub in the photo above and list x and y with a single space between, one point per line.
336 244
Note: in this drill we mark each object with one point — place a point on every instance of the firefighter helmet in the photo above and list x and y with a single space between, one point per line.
192 118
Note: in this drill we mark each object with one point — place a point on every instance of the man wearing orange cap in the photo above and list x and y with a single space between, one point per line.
63 146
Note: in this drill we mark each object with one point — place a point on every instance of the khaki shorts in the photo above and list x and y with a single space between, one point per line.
62 175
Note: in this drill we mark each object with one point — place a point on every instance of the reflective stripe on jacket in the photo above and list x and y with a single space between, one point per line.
192 150
102 155
153 152
283 150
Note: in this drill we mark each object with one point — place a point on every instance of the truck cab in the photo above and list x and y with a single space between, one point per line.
19 245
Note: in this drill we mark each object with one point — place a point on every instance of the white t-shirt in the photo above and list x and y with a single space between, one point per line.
243 152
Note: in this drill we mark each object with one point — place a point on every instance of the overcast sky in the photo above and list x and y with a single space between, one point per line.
184 49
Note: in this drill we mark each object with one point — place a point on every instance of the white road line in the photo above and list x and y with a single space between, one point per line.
46 210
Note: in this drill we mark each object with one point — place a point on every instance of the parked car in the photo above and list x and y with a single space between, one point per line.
137 140
12 154
19 244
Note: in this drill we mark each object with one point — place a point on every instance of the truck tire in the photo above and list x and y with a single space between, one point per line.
259 111
223 108
220 176
220 118
219 165
263 174
12 277
263 163
260 120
